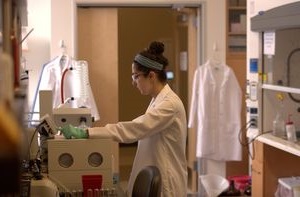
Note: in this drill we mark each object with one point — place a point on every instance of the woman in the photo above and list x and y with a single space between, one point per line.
161 131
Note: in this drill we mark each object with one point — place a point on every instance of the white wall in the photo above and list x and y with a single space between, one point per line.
38 41
63 28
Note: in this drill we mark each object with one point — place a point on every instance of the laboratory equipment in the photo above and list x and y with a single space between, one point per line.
73 116
69 82
69 160
47 127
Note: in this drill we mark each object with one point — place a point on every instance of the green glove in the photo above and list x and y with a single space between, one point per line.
70 131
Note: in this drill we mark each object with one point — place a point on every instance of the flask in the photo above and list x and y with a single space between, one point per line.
291 130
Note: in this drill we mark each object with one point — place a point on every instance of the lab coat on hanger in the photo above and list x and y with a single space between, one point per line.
161 133
216 106
50 79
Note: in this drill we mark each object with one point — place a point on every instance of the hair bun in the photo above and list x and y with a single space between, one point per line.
156 48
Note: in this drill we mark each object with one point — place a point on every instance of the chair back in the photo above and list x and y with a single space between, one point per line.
147 183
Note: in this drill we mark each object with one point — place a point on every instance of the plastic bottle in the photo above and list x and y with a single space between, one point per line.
279 123
290 130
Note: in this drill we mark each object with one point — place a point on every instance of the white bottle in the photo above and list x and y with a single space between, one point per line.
290 131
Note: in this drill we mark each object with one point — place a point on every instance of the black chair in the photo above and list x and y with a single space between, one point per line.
147 183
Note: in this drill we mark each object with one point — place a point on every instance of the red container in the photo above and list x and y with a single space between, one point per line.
91 182
240 182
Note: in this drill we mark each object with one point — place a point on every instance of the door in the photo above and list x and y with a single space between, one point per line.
98 45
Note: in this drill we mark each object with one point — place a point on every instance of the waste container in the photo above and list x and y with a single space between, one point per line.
214 184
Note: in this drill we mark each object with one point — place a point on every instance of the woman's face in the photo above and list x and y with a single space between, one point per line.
141 82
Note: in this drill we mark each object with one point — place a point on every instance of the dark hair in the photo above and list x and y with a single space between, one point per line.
154 52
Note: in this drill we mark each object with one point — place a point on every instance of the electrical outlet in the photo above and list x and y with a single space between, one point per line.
253 121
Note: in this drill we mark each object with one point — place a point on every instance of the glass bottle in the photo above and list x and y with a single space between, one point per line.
279 124
279 121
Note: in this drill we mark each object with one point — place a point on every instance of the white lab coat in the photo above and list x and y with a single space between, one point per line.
50 79
216 105
162 133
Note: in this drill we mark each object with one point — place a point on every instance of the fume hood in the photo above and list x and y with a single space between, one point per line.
278 88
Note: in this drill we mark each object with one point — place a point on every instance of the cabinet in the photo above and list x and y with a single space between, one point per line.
236 27
276 157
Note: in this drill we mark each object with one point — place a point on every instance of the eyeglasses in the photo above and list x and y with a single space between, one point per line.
135 76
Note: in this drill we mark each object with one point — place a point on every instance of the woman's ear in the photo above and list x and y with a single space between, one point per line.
152 74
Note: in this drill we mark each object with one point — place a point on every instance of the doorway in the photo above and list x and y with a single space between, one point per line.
109 37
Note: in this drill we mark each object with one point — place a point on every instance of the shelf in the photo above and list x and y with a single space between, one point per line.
282 144
281 88
236 33
236 55
237 8
236 26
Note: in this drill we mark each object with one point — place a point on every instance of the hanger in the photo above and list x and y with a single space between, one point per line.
215 59
64 56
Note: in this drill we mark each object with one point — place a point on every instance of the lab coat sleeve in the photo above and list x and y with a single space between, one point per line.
99 132
193 107
153 121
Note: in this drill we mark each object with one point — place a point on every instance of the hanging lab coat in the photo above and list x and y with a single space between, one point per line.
216 107
161 133
50 79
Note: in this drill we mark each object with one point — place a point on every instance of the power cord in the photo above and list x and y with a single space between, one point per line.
243 139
